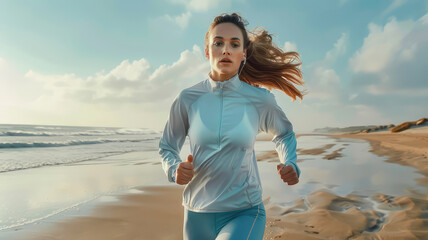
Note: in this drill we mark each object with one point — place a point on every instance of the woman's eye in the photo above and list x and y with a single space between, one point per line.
219 43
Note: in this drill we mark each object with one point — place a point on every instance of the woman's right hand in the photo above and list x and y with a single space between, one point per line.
185 171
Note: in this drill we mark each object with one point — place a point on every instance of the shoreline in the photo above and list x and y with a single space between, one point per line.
319 215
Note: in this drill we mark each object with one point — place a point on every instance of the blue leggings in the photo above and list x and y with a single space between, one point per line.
234 225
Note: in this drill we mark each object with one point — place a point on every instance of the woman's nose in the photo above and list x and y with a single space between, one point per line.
226 51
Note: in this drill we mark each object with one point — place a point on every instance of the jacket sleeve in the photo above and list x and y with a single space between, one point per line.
274 121
173 137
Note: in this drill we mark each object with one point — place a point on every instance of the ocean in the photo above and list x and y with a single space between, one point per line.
32 146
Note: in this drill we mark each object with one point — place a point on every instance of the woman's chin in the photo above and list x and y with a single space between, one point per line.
226 70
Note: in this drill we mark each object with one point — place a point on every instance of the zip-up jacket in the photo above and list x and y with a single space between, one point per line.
222 120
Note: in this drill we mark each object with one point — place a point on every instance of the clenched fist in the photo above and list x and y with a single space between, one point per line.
287 173
185 171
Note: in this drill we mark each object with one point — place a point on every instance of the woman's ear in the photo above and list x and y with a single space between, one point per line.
206 54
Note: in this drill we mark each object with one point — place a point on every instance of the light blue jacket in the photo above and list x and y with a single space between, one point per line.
222 120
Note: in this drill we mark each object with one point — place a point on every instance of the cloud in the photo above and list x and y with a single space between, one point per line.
15 87
289 47
128 82
394 5
424 19
392 59
388 73
353 96
131 94
181 20
202 5
339 49
381 46
367 115
324 83
343 2
192 6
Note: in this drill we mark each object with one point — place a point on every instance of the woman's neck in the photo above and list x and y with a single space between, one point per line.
221 77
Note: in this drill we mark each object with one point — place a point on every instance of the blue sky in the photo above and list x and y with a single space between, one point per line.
121 63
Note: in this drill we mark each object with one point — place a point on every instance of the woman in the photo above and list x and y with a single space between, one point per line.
222 116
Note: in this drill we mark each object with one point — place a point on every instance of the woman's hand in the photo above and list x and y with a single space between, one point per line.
287 174
185 171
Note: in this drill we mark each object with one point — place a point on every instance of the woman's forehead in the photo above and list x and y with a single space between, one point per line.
226 31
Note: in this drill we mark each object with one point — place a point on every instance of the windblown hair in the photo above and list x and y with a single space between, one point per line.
267 65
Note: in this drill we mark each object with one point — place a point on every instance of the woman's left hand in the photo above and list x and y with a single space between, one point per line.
287 174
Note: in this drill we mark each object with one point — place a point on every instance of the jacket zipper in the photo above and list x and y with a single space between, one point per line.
221 115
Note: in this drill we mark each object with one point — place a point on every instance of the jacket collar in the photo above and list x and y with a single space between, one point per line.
232 83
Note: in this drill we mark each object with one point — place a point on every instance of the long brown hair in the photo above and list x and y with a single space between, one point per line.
267 64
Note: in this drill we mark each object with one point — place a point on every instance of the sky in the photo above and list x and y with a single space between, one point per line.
122 63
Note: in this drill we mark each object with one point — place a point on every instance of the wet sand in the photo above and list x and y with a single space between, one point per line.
333 217
155 214
158 214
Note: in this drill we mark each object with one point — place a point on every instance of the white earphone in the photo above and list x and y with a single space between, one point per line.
245 60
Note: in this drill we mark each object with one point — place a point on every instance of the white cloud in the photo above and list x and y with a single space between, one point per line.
424 19
339 49
394 5
14 87
308 116
290 47
353 96
392 59
408 53
343 2
131 94
366 115
128 81
325 84
381 46
195 6
131 71
202 5
181 20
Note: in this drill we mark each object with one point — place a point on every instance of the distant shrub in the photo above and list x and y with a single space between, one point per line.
403 126
421 121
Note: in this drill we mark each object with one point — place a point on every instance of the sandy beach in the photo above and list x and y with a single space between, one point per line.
157 213
326 219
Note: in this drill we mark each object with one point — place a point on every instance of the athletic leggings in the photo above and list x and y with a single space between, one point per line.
234 225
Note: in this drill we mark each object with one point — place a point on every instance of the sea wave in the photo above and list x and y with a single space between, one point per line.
39 127
123 131
67 143
13 166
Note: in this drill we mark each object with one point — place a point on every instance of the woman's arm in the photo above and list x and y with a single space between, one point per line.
274 121
173 137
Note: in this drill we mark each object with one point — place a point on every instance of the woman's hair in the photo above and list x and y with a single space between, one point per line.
267 65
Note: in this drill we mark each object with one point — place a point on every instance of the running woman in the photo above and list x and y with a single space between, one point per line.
222 115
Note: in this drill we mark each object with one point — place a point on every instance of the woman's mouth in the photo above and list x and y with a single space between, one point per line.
225 61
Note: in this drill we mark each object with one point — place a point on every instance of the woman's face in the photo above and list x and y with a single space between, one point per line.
225 40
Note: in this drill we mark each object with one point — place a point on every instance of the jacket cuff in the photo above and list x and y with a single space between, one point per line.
171 172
